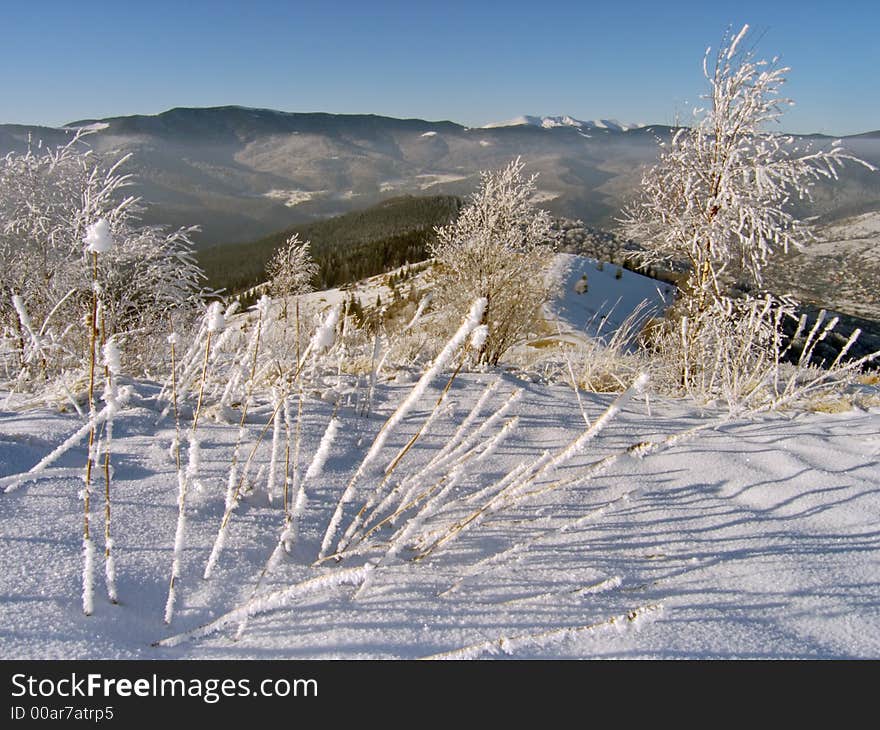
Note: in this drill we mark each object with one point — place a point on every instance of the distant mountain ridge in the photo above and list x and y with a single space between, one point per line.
243 173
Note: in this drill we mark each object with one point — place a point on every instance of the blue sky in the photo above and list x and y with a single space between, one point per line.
471 62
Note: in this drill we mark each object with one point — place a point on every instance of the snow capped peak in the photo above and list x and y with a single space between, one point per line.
529 121
613 125
564 121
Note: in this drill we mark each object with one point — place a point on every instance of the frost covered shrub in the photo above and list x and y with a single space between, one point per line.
719 200
499 249
48 200
291 269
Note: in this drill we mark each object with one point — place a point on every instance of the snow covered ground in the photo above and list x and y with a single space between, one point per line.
596 298
746 539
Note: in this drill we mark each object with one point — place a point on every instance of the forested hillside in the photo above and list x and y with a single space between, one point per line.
346 248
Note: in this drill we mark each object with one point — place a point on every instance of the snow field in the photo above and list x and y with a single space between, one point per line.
746 539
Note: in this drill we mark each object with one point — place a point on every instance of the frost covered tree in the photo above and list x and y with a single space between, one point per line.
720 200
720 194
48 200
291 269
500 248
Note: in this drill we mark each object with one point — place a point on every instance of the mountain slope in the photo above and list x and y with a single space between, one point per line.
242 173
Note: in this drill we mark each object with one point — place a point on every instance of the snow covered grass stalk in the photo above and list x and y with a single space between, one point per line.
292 470
475 345
806 381
456 451
14 481
322 453
375 496
277 425
739 354
316 466
246 368
458 445
822 381
112 369
325 335
292 486
376 363
273 602
457 458
512 644
252 353
454 468
574 383
285 495
291 518
543 466
88 548
179 539
468 421
181 486
177 381
295 511
608 363
185 477
37 348
43 346
470 323
534 538
88 576
233 495
608 584
234 486
97 240
399 540
297 446
172 346
214 323
191 362
374 373
638 450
